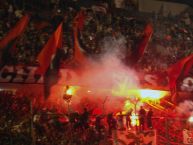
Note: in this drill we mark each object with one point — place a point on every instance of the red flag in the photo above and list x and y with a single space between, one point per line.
15 31
78 55
188 66
78 26
49 50
148 31
79 20
180 68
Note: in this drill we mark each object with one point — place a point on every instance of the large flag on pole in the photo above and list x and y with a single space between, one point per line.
148 31
48 52
52 74
182 67
139 51
49 60
79 59
77 28
16 31
188 66
8 54
79 20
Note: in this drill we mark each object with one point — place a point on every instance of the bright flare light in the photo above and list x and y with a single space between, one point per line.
71 90
134 119
190 119
147 94
143 94
128 105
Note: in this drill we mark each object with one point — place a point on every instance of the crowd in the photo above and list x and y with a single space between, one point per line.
170 42
23 123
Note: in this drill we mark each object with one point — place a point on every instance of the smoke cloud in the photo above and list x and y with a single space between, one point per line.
98 81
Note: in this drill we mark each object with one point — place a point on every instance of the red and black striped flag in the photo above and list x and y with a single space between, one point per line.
49 60
180 68
140 49
15 32
8 43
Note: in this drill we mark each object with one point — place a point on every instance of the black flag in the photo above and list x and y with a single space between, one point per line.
52 74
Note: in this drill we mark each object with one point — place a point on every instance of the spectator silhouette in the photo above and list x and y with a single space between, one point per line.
142 116
149 118
128 119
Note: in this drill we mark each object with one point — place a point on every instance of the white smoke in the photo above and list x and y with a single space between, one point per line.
114 46
104 75
109 73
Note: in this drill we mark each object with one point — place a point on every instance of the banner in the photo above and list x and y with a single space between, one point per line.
28 75
21 75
